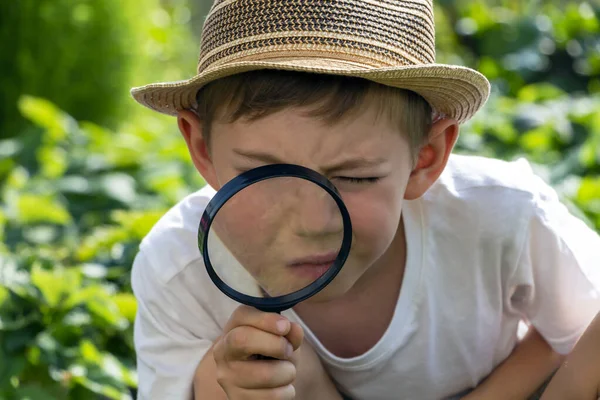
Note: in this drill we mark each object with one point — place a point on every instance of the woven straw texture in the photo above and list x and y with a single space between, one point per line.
391 42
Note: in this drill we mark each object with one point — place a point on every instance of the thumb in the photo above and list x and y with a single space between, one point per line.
295 336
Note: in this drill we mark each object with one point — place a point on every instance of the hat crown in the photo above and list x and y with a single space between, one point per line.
363 33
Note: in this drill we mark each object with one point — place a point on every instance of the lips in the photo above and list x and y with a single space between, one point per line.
317 260
313 266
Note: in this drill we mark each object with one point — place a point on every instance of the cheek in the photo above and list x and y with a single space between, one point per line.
375 218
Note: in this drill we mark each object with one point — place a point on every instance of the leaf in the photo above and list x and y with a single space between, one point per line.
120 187
47 115
93 271
33 208
102 238
77 318
4 295
89 352
103 389
100 304
540 92
85 295
55 285
105 374
107 312
48 284
127 305
18 178
589 190
53 161
41 234
138 223
14 278
539 139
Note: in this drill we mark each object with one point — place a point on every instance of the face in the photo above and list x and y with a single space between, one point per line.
365 157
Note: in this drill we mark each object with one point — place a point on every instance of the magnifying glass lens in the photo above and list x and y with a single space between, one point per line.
275 237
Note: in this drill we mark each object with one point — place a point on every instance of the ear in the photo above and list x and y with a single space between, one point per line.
432 158
192 131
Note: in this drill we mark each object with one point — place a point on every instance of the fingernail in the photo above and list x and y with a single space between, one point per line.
289 350
282 325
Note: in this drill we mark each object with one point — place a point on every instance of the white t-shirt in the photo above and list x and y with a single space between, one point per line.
488 245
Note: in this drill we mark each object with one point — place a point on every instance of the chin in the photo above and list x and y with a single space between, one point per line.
323 296
335 290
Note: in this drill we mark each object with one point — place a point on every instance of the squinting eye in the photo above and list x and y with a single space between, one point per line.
358 180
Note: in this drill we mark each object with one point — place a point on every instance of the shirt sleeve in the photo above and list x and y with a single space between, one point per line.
555 285
171 334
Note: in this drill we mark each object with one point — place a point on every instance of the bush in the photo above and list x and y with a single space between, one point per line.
544 63
83 55
76 204
73 52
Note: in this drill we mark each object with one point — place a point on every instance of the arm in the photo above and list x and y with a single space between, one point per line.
553 286
579 377
312 381
531 363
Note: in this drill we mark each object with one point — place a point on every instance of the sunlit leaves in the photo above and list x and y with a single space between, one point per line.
127 305
33 208
56 123
56 284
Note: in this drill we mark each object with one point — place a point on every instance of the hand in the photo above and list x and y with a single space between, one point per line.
250 332
312 380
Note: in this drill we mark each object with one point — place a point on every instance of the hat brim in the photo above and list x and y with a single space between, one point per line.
455 91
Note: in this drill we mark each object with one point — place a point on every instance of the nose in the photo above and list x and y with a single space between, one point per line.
316 214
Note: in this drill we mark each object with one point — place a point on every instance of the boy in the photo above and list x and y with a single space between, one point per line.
449 253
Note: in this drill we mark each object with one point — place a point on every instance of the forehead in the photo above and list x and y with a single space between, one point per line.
295 136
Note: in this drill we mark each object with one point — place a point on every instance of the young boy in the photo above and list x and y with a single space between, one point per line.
450 253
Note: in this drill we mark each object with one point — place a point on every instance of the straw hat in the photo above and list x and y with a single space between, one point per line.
391 42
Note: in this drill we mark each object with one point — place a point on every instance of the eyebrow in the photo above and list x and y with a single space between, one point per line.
351 163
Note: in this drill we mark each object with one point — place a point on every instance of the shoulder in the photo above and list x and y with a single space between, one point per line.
491 181
465 173
491 197
172 243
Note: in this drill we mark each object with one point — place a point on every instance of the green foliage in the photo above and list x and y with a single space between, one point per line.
90 58
543 60
83 55
75 205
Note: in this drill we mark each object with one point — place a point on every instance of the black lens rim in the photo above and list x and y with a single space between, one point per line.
242 181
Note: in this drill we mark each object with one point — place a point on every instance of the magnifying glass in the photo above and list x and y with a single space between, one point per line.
275 236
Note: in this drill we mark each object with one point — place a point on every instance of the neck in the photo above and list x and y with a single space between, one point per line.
387 268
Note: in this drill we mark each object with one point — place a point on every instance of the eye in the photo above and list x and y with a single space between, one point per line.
350 179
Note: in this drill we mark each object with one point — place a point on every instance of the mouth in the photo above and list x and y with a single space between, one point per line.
313 266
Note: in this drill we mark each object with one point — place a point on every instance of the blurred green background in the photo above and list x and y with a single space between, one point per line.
85 172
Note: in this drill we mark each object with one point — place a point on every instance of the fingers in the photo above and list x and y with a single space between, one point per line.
243 342
260 374
283 393
250 332
268 322
295 336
